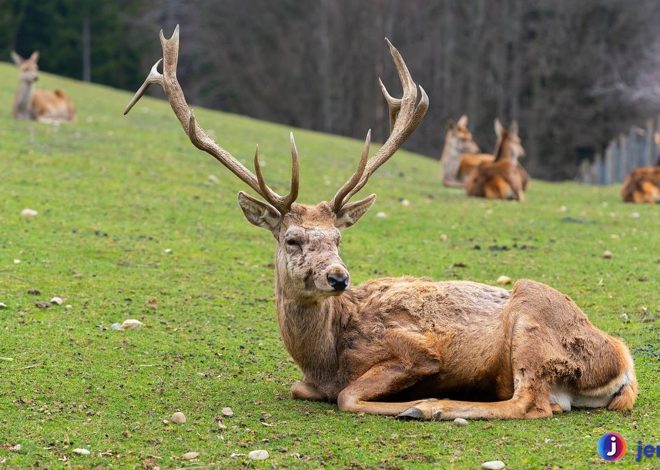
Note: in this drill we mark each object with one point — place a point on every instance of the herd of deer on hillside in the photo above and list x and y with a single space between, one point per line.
410 347
496 176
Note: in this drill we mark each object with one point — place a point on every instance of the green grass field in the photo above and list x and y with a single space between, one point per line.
113 193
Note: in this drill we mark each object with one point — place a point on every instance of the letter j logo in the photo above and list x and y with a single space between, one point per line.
612 446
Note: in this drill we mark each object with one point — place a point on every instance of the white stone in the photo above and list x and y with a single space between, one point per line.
178 418
131 324
405 203
29 213
460 422
190 455
57 300
381 215
493 465
503 280
258 455
228 412
81 451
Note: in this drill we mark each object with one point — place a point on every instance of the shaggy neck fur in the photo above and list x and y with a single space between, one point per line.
451 154
310 329
23 99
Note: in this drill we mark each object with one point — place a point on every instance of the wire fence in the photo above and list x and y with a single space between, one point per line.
639 147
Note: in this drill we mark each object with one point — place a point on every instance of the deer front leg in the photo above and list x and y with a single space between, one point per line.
380 381
304 391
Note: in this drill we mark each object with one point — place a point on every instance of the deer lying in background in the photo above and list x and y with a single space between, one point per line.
503 177
371 346
642 185
38 105
458 143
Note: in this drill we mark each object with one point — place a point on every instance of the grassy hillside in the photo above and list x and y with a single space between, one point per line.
113 193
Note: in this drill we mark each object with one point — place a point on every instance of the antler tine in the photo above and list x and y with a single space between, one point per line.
393 104
154 77
198 136
406 113
282 204
338 200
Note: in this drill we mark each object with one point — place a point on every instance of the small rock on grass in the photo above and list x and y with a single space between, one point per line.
607 254
178 418
228 412
190 455
81 451
3 306
258 455
381 215
503 280
42 304
493 465
131 324
29 213
460 422
16 448
57 300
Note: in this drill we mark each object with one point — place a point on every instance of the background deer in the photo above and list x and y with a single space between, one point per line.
642 185
502 177
39 105
392 346
458 142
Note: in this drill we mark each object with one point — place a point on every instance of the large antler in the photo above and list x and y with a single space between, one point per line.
405 116
198 136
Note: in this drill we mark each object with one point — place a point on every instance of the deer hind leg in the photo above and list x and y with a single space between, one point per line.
530 400
498 188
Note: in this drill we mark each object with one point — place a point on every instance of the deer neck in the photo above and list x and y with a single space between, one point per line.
310 331
23 99
451 149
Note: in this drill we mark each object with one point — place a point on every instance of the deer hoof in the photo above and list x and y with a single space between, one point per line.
411 413
437 415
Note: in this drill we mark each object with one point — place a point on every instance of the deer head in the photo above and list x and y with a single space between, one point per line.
308 236
508 147
458 131
29 69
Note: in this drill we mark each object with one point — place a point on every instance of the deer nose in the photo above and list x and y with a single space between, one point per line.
338 282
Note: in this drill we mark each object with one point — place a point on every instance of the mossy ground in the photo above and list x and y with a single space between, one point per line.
113 193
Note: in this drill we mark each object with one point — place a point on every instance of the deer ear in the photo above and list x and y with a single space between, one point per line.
498 128
259 213
513 128
34 57
351 212
17 59
463 121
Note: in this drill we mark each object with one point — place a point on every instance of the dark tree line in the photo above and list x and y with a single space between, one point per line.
573 73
